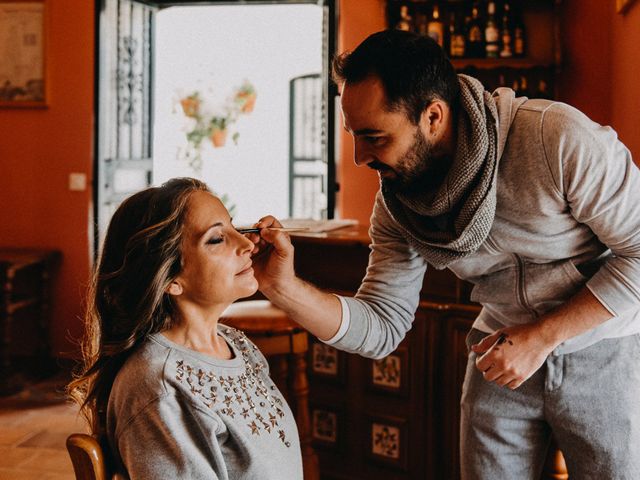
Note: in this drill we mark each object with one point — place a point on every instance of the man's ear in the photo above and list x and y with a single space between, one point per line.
432 119
174 288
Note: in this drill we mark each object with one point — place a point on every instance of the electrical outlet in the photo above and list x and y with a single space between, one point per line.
77 182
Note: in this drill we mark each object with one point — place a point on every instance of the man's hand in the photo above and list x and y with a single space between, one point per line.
511 355
319 312
272 255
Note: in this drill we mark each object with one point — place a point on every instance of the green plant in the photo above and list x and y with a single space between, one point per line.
213 123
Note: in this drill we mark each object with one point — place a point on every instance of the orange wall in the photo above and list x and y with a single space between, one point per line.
601 68
38 150
625 76
585 77
358 185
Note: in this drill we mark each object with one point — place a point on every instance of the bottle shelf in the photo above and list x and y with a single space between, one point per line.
491 63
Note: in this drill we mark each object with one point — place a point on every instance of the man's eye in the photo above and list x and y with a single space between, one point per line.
374 140
215 240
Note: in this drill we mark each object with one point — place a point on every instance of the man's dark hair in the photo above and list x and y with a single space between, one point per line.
413 69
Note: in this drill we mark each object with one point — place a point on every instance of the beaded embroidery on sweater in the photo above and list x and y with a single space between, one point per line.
243 396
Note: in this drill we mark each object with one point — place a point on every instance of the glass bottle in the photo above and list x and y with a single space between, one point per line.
543 90
506 49
524 87
456 37
435 27
475 42
519 39
516 87
406 22
491 33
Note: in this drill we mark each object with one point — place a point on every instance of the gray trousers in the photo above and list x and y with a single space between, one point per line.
589 400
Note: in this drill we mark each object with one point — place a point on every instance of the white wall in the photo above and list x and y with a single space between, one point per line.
213 49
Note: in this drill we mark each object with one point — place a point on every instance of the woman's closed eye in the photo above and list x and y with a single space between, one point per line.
215 240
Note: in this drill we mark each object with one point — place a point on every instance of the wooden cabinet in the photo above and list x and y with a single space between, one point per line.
532 74
25 276
396 418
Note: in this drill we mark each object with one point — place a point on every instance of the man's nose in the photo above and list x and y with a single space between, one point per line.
361 156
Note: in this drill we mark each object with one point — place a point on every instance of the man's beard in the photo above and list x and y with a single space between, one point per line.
418 168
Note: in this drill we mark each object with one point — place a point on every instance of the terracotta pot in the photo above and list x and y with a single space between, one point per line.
249 100
218 138
190 106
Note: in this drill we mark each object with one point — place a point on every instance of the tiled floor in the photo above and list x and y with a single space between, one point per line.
34 425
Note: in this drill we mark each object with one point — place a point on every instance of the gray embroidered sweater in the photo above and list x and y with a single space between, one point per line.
175 413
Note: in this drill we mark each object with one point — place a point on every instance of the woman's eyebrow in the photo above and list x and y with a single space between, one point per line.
217 224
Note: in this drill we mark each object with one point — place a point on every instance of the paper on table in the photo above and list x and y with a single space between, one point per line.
318 226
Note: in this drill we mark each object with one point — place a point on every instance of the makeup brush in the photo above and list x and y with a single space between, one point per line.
280 229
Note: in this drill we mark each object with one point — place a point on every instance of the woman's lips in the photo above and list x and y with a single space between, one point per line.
247 269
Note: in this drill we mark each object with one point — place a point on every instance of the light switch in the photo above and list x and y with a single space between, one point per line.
77 182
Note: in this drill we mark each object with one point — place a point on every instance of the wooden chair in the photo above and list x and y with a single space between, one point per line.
87 457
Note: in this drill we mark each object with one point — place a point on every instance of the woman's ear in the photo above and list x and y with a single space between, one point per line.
174 288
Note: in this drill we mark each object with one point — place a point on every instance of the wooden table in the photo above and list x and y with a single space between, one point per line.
25 278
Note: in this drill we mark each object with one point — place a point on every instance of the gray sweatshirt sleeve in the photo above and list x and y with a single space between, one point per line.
383 310
595 173
167 441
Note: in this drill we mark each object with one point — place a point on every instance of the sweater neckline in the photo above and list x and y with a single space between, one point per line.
236 361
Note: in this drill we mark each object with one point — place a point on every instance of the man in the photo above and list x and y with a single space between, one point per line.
529 200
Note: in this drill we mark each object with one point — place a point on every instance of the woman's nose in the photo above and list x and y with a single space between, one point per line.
244 244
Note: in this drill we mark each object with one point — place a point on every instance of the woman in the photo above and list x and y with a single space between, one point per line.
176 394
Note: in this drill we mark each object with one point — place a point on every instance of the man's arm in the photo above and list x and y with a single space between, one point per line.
594 172
380 314
511 355
318 312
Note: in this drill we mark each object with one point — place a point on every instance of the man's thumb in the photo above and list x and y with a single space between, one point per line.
485 344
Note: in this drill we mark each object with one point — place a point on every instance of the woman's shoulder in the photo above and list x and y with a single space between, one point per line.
144 372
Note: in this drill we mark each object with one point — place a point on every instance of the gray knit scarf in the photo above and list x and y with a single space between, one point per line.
450 221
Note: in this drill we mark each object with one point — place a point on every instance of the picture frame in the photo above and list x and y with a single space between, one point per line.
391 373
622 6
327 426
388 441
326 362
23 32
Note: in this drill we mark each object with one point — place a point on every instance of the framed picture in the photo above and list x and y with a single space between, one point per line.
623 5
326 362
388 441
327 429
22 57
391 373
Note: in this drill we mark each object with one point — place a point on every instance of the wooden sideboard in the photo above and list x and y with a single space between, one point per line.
396 418
25 277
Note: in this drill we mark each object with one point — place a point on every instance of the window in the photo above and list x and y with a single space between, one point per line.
153 55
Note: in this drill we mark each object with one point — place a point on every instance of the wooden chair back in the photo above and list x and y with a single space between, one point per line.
88 459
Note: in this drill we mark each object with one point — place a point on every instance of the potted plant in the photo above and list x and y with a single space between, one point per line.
246 97
218 130
207 121
191 105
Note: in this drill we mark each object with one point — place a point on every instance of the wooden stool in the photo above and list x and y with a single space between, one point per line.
286 343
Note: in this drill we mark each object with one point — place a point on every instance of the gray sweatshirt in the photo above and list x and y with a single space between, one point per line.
567 215
174 413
